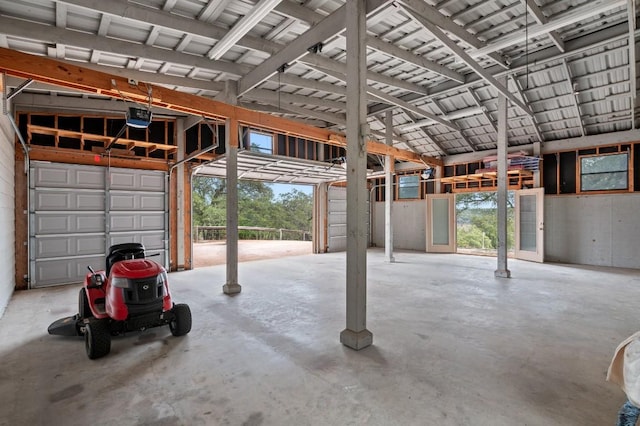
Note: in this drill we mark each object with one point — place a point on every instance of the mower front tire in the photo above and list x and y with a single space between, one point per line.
83 305
97 338
181 322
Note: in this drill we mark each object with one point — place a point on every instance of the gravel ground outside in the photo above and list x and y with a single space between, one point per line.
214 252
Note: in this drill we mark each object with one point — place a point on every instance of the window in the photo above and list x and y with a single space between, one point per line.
408 186
604 172
261 142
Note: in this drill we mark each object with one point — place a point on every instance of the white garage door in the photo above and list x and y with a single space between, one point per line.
337 219
77 212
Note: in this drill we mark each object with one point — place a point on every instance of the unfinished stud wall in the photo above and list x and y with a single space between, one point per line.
409 225
599 230
7 219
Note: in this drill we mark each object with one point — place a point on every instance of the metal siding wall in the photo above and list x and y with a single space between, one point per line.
7 217
70 208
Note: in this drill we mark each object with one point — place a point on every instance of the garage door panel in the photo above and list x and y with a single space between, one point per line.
155 182
135 221
338 206
61 200
136 201
64 271
337 219
52 175
150 240
65 245
137 180
66 223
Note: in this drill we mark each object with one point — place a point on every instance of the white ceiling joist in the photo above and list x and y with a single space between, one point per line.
574 97
411 58
534 10
127 10
327 28
534 121
592 9
340 69
486 114
212 10
574 48
242 27
155 78
32 31
451 27
279 98
458 51
409 107
169 4
299 12
425 131
459 130
307 83
392 100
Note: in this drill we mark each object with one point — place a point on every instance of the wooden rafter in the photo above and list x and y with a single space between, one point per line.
72 76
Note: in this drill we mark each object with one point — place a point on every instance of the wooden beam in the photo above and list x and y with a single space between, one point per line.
72 76
72 156
21 220
374 147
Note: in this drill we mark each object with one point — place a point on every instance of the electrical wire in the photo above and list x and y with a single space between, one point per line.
125 98
526 41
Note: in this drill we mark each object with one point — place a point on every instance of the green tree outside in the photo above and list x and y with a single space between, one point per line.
476 215
257 205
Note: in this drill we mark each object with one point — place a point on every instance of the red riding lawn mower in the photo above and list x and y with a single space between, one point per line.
132 294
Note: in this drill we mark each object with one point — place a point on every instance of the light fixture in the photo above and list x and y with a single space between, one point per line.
427 173
344 163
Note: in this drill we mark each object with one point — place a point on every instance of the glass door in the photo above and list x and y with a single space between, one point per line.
441 223
529 235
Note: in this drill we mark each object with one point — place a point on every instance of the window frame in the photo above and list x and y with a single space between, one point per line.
582 174
405 186
260 149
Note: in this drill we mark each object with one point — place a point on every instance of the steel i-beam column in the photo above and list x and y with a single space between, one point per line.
356 335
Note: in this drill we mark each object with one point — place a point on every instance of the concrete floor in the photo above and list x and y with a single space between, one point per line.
452 346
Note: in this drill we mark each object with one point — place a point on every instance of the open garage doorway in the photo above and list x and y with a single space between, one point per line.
274 220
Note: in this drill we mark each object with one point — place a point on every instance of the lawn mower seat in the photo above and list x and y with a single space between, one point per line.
124 251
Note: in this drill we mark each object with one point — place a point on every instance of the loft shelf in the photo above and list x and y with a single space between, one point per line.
487 181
